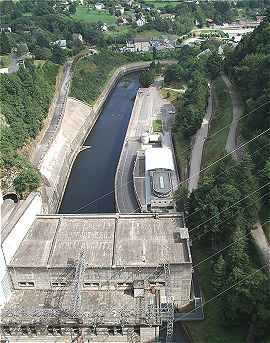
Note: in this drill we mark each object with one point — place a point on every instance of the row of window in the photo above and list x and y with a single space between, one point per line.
31 284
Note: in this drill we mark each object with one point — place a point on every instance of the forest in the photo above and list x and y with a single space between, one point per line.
25 98
231 198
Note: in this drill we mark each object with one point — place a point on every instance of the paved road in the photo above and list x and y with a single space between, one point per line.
14 67
58 112
262 243
140 122
197 150
231 143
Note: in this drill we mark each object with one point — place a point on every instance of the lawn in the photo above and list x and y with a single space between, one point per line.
211 329
4 61
161 4
222 117
93 16
147 34
157 125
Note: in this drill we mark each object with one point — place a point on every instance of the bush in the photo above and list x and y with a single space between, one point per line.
28 180
146 78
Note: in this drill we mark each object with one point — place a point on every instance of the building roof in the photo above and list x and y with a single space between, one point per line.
158 158
107 240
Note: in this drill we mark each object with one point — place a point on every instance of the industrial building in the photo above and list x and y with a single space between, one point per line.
111 278
153 177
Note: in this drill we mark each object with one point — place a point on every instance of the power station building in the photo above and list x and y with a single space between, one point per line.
100 276
154 179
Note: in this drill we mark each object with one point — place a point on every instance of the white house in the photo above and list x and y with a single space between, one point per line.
99 6
62 43
104 27
120 9
140 22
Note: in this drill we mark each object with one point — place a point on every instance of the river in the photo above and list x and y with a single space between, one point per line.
90 188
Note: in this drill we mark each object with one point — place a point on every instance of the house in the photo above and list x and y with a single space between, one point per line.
77 37
138 45
99 6
168 16
260 18
140 22
128 2
5 28
104 27
122 21
210 22
120 9
62 43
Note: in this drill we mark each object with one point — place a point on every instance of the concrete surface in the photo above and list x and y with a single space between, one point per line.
262 244
58 112
231 143
197 149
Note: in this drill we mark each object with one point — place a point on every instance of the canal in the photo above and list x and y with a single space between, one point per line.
90 188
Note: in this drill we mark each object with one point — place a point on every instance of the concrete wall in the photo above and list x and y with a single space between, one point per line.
52 193
121 279
14 235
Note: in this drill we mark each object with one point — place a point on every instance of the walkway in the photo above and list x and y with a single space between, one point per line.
231 143
58 111
262 243
140 121
197 150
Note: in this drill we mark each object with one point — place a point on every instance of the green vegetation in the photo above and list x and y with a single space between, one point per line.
25 99
248 66
220 122
93 16
92 73
224 225
4 61
157 125
222 212
147 78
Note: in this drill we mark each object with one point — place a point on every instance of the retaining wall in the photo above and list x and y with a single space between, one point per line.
52 190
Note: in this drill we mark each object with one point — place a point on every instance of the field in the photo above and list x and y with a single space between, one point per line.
222 118
4 61
161 4
93 16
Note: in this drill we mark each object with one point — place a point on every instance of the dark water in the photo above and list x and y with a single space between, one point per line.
93 172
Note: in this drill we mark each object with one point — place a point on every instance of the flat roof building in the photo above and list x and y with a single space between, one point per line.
109 264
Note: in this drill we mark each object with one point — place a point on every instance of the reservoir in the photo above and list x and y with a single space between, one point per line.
90 188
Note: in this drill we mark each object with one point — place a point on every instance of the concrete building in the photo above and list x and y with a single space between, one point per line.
152 176
98 276
99 6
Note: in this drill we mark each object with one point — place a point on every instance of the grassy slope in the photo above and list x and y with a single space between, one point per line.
161 4
93 16
211 330
222 118
5 61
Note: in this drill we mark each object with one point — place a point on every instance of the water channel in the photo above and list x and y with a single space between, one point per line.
90 188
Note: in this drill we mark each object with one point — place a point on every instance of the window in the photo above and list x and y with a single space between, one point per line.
26 284
59 284
87 284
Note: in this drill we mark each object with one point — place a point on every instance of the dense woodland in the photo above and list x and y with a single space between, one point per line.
231 195
25 99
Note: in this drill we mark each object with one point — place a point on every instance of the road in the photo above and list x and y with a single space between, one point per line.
197 150
140 121
262 243
231 143
14 66
58 112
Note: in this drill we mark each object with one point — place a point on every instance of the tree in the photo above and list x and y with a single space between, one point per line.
219 274
72 8
213 65
4 44
28 180
58 55
146 78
